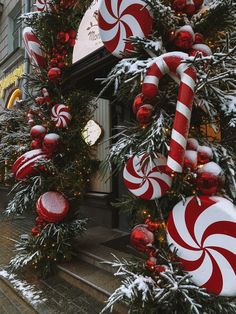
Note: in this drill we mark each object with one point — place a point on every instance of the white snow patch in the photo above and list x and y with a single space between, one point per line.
28 291
206 150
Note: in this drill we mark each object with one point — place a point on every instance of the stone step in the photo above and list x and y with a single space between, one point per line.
94 281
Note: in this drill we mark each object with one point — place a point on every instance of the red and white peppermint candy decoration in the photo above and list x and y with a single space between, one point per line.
120 19
205 238
172 63
61 116
42 5
33 47
145 178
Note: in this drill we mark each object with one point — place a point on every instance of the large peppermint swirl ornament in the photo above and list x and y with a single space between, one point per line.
172 63
42 5
120 19
61 116
33 47
147 178
204 235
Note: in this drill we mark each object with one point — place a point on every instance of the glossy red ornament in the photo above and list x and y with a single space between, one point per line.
35 231
52 207
161 268
39 101
51 143
192 144
151 263
138 102
210 179
198 3
72 33
207 183
179 5
190 8
198 38
72 42
53 62
54 74
141 237
205 154
144 114
197 48
38 132
184 40
190 160
152 225
61 65
36 144
63 37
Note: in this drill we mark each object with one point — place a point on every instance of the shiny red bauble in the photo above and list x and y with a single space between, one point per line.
198 38
190 9
190 160
38 132
54 74
138 102
144 114
63 37
179 5
52 207
151 263
36 144
35 231
192 144
152 225
200 48
205 154
51 143
141 237
72 33
184 40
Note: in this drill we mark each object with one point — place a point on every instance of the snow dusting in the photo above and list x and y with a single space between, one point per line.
29 292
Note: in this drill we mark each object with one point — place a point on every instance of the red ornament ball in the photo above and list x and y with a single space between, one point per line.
144 114
54 74
141 237
161 268
138 102
52 207
151 263
36 144
38 132
192 144
198 38
72 33
152 225
197 48
210 179
63 37
179 5
51 143
190 9
205 154
35 231
184 40
190 160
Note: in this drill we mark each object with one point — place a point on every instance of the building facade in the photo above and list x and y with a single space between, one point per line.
13 62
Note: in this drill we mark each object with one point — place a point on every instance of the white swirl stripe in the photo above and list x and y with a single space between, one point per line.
172 63
120 19
204 235
147 179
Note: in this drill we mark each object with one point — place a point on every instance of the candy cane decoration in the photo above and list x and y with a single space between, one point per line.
172 63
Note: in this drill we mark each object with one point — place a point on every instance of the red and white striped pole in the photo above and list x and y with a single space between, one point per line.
168 63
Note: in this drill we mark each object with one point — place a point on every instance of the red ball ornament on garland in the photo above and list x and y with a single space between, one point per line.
184 37
138 102
151 263
198 38
38 132
63 37
36 144
179 5
51 143
52 207
141 237
72 33
35 231
190 160
152 225
190 8
192 144
210 179
54 74
144 114
200 48
205 154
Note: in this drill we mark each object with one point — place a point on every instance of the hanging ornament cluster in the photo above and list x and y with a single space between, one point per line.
142 238
189 7
186 40
120 19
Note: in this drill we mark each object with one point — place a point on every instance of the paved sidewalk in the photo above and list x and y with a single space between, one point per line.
50 296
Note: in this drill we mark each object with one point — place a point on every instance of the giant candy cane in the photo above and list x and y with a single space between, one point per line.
172 63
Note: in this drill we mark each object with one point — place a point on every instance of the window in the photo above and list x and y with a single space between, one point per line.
15 29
